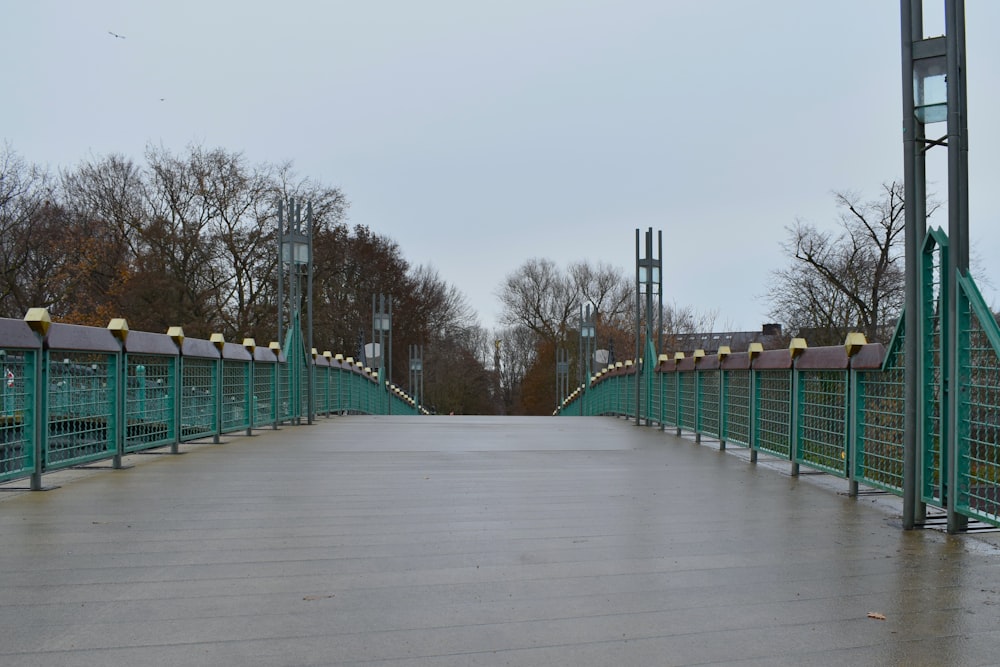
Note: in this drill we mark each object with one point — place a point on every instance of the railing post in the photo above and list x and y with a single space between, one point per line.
119 329
38 321
218 376
696 417
723 352
753 351
795 349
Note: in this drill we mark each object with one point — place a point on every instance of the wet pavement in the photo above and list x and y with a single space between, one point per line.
480 541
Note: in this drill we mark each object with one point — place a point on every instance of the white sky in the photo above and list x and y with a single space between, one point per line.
479 133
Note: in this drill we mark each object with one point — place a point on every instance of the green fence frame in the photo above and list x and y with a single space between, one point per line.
73 395
152 377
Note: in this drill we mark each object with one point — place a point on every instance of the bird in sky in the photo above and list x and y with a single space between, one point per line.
115 34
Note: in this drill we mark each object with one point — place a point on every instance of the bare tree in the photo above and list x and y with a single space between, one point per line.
515 352
540 297
605 288
845 280
25 192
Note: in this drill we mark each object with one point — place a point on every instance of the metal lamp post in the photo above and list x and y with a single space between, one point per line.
296 251
934 91
562 374
382 327
417 374
588 333
648 281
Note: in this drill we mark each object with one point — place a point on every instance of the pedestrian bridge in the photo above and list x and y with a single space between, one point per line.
416 540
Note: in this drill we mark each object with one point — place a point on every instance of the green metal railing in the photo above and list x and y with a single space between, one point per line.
841 410
79 407
73 395
199 387
821 431
878 413
237 395
736 401
151 387
977 487
773 408
18 414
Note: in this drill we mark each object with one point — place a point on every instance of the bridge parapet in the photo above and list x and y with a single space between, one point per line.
73 395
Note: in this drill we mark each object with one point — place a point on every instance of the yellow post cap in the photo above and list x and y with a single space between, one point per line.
38 320
119 328
854 342
177 333
796 347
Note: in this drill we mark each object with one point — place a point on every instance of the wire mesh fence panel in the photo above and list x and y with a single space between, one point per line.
82 412
151 385
978 460
235 395
655 395
708 403
353 387
303 390
822 431
322 389
687 400
774 410
336 391
670 399
284 392
198 386
879 419
628 395
933 461
364 395
263 394
737 407
372 394
17 414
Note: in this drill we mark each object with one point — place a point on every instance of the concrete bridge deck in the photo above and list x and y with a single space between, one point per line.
479 541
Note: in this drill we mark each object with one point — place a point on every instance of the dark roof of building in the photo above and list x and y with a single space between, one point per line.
770 337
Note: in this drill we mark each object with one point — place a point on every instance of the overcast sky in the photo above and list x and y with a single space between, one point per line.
480 133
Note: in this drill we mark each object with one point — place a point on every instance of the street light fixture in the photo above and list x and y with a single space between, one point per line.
382 326
417 374
648 281
588 338
934 91
296 251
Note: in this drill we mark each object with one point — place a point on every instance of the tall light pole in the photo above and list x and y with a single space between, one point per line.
934 91
588 333
296 251
417 374
648 281
562 374
382 327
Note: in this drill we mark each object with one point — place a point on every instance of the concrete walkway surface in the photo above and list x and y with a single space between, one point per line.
452 541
